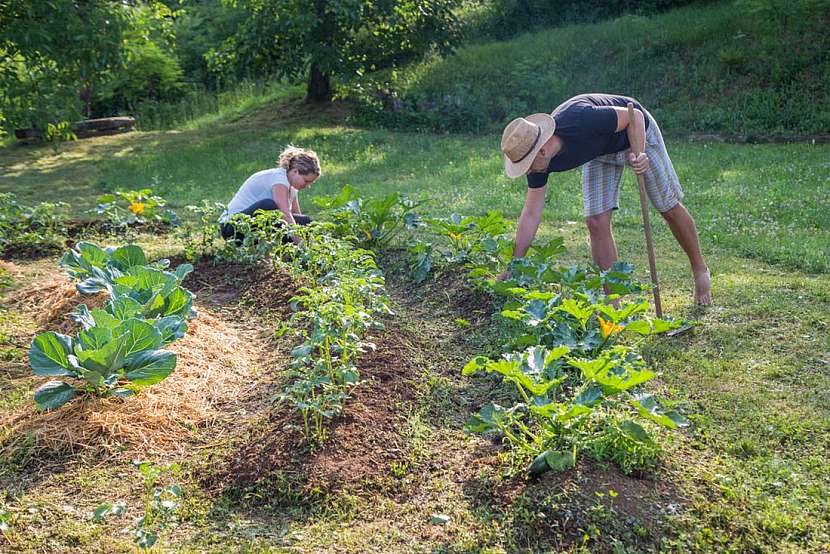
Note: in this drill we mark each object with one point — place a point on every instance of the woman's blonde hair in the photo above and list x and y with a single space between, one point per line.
306 161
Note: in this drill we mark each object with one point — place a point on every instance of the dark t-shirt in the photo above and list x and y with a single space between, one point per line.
587 125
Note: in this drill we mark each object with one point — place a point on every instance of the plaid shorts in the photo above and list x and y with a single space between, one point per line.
601 177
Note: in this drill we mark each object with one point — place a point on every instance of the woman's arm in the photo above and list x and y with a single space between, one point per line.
296 207
282 198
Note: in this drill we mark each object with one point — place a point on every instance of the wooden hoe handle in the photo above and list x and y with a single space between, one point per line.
652 264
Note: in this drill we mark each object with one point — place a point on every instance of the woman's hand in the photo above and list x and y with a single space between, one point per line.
638 163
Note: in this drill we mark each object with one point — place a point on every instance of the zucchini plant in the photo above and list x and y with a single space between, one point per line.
573 360
370 222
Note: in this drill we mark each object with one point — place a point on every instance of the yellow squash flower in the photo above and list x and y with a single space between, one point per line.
608 327
136 207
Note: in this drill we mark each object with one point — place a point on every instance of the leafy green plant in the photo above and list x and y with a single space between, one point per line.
552 419
124 208
160 504
373 222
97 267
118 350
333 317
39 228
112 358
58 133
479 242
200 232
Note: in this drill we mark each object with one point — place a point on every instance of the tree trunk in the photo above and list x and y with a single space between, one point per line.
319 86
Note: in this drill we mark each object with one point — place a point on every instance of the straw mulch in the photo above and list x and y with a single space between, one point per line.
214 366
50 300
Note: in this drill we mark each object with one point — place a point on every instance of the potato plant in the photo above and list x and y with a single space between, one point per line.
333 315
372 223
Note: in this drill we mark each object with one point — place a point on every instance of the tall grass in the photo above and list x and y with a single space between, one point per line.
729 67
199 106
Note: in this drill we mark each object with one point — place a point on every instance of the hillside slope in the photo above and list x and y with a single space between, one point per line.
747 67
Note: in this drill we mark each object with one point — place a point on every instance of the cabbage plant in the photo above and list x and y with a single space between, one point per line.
110 358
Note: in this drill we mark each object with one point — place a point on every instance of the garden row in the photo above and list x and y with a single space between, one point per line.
46 227
572 353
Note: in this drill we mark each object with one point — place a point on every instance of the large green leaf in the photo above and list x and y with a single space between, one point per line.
108 358
178 302
628 310
123 307
49 355
648 407
94 338
53 394
182 271
492 417
577 309
150 367
140 335
171 328
475 365
128 256
635 431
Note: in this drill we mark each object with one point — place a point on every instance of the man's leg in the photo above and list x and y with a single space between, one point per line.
684 230
603 248
663 188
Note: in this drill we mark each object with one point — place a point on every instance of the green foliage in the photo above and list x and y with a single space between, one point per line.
333 315
118 350
718 68
53 50
160 504
31 229
200 232
56 134
149 74
122 209
477 242
371 223
323 39
507 18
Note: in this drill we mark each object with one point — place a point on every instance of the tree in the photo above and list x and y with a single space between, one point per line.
319 39
56 54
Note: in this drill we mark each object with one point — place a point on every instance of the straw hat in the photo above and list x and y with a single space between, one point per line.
521 141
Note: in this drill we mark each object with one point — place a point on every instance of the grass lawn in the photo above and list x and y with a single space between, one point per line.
751 475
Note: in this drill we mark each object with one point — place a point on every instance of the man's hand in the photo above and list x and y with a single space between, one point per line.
503 276
639 163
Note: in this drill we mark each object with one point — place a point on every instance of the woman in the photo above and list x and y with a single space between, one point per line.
275 189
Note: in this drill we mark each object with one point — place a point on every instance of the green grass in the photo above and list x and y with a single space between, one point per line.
750 476
713 67
745 198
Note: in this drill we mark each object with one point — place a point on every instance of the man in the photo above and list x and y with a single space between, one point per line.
594 131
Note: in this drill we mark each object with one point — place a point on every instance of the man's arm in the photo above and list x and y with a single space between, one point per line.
636 132
528 223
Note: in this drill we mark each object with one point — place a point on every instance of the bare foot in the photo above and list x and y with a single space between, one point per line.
703 288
